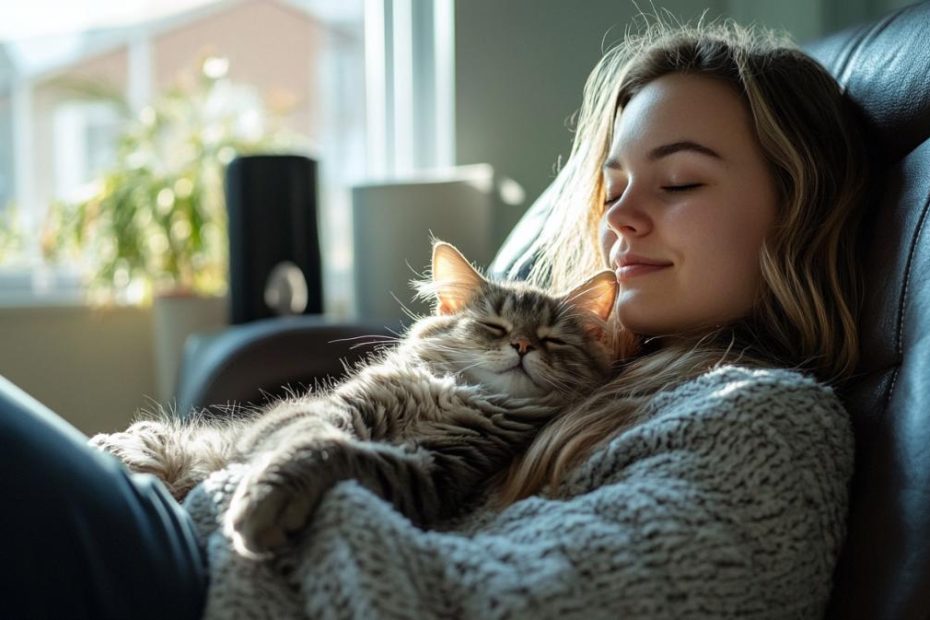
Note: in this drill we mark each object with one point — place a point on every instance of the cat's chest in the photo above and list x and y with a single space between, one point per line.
399 401
430 398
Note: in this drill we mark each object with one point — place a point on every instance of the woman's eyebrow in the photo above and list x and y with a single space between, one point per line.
684 145
667 149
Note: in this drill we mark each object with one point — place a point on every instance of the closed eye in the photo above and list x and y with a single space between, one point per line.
494 328
555 341
682 188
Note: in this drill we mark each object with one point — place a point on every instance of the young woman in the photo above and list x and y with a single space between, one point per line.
721 176
728 158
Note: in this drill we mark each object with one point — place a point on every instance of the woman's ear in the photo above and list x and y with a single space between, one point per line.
454 279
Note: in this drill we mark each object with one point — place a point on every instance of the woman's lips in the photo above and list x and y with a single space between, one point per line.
631 271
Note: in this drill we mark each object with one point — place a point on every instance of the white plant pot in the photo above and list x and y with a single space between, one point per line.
393 221
174 318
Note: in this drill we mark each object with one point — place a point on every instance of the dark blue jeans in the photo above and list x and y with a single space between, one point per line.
81 536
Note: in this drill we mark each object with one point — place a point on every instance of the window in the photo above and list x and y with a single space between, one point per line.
347 76
85 138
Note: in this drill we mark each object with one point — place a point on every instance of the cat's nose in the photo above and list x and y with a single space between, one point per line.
522 345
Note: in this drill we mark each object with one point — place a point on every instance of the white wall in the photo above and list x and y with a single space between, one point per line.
521 65
94 367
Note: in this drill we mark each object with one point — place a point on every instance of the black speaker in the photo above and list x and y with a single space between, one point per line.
275 266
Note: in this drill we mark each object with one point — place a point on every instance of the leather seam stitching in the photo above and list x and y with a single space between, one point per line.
899 344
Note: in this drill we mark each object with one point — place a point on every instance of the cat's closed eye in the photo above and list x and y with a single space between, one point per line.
496 329
553 341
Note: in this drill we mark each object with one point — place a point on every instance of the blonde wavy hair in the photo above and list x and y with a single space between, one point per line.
805 316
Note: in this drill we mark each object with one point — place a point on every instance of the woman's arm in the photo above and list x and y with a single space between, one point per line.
730 501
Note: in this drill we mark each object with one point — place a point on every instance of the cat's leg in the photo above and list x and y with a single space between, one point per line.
141 447
179 456
276 500
301 450
472 447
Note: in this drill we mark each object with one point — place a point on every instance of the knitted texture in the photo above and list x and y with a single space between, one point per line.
729 501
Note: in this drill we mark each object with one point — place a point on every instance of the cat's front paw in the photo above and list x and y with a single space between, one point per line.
140 446
269 507
145 448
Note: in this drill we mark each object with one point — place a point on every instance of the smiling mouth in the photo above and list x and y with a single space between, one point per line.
637 269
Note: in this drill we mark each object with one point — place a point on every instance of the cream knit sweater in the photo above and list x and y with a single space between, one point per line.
729 502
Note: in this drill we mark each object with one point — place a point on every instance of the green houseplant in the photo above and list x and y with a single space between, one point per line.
155 222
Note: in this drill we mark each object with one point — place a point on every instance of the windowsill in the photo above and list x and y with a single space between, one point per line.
61 288
40 286
30 301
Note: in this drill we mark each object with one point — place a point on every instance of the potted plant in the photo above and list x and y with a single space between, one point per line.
155 222
153 226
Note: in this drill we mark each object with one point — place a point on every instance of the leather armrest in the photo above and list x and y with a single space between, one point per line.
260 361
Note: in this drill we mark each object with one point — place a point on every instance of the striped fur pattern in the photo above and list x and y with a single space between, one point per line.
424 424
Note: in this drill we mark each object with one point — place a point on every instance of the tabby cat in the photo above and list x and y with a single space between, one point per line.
424 424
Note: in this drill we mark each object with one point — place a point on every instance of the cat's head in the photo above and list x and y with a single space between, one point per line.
511 337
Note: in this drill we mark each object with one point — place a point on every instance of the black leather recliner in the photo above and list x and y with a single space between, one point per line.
884 569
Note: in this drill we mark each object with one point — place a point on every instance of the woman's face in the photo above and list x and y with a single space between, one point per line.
689 201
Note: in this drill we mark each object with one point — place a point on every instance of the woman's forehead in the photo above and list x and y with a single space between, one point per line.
682 113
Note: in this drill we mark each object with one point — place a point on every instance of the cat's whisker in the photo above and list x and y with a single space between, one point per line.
441 347
548 381
464 367
378 336
407 311
477 364
372 343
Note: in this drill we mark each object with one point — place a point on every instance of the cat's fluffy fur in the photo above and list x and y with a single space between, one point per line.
424 424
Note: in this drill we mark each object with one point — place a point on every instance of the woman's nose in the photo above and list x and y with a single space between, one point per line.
626 217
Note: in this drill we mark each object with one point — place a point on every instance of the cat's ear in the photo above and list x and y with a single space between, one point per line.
455 281
596 295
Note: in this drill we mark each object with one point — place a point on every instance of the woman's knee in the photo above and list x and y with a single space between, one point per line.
85 537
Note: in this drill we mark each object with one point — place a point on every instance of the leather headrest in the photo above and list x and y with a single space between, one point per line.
885 68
